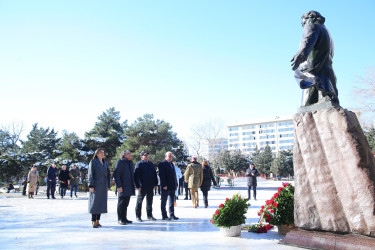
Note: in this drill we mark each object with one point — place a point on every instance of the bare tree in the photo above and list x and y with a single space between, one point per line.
14 131
204 136
365 94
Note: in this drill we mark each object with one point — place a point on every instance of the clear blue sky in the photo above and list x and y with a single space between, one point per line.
62 63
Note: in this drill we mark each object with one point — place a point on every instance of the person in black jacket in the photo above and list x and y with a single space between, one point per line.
124 178
51 181
252 174
145 180
206 184
168 184
63 179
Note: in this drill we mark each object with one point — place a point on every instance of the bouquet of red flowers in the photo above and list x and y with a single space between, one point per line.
260 228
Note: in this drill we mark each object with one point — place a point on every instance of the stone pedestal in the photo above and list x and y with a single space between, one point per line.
334 173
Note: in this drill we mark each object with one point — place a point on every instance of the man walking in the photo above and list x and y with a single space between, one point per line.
168 184
124 178
252 174
194 178
74 180
145 180
51 181
63 179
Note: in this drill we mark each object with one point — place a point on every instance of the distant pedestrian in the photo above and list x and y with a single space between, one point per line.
124 178
157 189
24 184
206 183
187 190
181 184
33 178
194 178
63 180
10 187
178 176
51 181
145 180
99 181
74 180
252 174
168 184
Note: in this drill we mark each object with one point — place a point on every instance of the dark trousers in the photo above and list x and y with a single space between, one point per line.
205 197
167 195
181 187
62 191
254 192
95 217
51 188
75 187
122 208
187 192
149 197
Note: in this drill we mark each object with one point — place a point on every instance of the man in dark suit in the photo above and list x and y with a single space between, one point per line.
51 181
146 180
124 178
168 184
252 174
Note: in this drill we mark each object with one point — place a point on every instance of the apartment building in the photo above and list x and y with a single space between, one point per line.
277 133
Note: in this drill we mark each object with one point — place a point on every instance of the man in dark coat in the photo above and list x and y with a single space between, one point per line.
63 179
124 178
145 180
168 184
51 181
252 174
313 61
74 180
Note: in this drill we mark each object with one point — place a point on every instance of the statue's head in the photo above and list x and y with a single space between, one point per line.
312 17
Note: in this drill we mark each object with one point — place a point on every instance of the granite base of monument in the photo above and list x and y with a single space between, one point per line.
326 240
334 172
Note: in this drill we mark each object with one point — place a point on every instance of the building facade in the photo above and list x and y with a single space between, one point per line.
277 133
215 146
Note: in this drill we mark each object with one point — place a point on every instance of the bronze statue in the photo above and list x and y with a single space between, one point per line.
313 61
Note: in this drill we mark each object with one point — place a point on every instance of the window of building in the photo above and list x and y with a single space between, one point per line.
267 125
233 129
248 127
233 134
249 133
286 135
285 129
266 136
233 140
286 147
286 141
267 131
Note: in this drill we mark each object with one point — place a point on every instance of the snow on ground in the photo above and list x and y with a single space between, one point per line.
65 223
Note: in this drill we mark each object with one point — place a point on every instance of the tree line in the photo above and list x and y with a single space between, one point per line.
43 147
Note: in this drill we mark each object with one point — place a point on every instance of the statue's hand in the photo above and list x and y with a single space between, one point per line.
296 61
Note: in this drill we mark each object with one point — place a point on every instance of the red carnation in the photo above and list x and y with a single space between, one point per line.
275 204
221 205
262 207
261 210
227 199
271 200
280 188
267 202
271 210
217 212
259 214
276 195
285 184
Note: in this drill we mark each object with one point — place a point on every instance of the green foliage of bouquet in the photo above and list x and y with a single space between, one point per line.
259 228
231 213
279 210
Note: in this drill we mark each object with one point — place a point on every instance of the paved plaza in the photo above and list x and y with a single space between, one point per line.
65 223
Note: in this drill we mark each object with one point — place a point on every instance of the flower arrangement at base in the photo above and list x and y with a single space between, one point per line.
231 212
259 228
279 210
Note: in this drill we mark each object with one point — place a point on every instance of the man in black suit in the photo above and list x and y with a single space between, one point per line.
168 184
252 174
145 180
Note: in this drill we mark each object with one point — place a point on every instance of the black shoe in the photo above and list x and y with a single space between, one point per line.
166 218
174 217
47 197
151 218
53 198
176 198
139 219
186 198
121 223
128 221
76 196
205 206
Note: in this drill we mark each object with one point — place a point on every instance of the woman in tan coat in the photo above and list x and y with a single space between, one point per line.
32 179
194 177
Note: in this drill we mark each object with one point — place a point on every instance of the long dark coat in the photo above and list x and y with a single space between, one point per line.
124 177
252 180
63 178
99 178
207 178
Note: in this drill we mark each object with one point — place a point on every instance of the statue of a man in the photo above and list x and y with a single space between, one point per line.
313 61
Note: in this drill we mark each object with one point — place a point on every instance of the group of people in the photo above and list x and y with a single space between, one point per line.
144 178
64 177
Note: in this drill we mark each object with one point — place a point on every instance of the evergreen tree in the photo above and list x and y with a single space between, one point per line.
265 160
40 147
108 133
235 161
154 136
286 163
370 136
